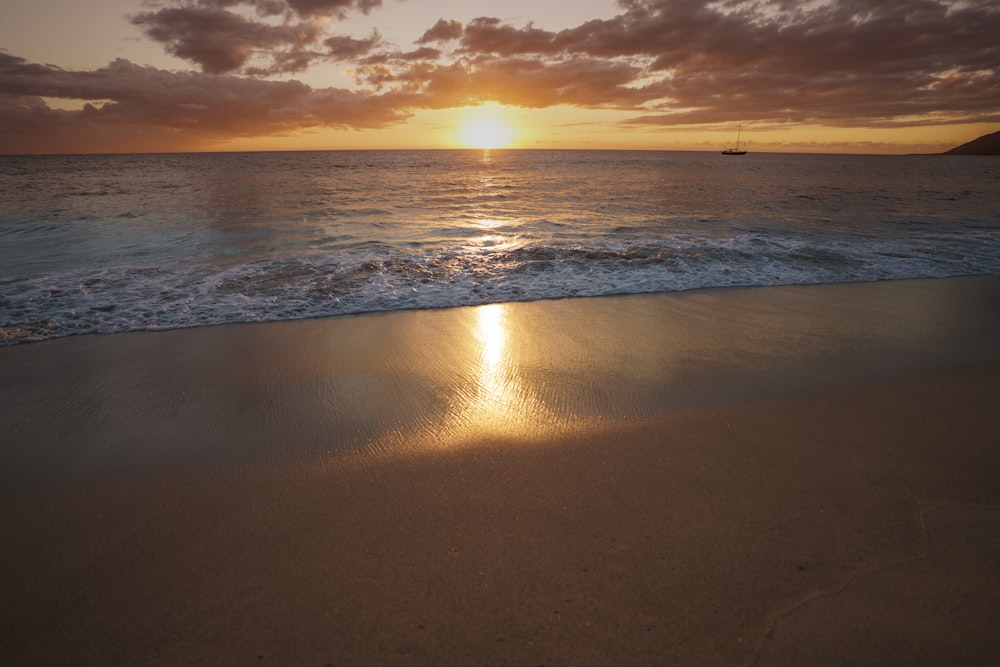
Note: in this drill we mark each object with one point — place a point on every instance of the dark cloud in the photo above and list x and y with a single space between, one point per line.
221 41
442 31
347 48
490 35
422 53
306 8
337 8
219 38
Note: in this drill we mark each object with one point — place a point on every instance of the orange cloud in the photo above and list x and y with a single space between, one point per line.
151 109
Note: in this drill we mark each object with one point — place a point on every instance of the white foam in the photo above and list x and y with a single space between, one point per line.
139 297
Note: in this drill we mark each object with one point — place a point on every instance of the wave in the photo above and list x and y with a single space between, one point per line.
379 277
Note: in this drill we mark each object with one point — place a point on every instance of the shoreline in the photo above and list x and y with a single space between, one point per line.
982 278
766 476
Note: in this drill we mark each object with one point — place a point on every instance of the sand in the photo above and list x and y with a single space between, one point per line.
771 476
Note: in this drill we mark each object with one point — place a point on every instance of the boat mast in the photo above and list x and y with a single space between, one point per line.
737 149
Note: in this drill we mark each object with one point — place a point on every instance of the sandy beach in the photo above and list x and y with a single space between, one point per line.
764 476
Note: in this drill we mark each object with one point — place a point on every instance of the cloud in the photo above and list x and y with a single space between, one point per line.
442 31
338 8
145 108
671 61
335 8
256 36
521 82
837 61
221 41
489 35
341 47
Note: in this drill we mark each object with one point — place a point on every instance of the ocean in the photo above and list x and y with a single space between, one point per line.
102 244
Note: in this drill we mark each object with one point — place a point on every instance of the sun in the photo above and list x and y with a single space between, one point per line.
485 130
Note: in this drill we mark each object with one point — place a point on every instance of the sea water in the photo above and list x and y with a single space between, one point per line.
113 243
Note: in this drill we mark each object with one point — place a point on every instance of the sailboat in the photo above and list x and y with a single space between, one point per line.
736 150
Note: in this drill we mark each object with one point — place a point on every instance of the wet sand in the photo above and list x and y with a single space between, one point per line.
803 475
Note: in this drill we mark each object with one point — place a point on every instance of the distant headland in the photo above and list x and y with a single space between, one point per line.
988 144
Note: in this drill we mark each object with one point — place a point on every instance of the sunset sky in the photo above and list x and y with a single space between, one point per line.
862 76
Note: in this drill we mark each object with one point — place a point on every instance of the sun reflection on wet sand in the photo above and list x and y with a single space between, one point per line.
495 396
495 400
492 336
